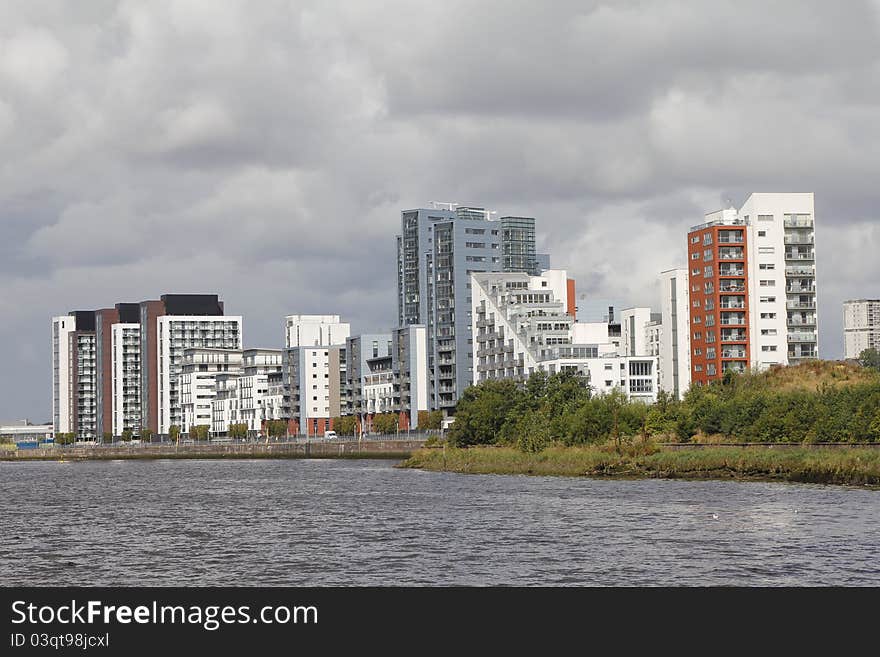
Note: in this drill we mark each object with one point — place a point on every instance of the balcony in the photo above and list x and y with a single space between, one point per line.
795 271
802 337
731 271
733 336
800 289
733 353
797 222
800 305
792 255
731 288
798 321
730 254
798 239
731 305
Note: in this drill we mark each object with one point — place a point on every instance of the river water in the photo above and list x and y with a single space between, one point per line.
334 522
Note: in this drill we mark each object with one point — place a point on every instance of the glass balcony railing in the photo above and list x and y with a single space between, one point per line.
731 271
801 337
733 336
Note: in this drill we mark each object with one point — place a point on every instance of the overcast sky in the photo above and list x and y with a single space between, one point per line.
264 150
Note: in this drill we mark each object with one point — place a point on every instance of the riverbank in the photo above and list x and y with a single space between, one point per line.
367 449
844 466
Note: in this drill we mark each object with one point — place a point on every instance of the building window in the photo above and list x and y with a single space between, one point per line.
768 331
768 283
767 265
768 347
768 299
762 233
765 217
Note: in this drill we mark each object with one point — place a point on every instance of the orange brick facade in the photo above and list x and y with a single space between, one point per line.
719 310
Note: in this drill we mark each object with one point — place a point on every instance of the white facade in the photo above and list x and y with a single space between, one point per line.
62 327
783 319
410 364
861 326
520 327
126 384
198 383
633 334
176 333
315 330
675 342
252 397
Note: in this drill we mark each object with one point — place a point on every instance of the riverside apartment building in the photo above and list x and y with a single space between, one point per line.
752 276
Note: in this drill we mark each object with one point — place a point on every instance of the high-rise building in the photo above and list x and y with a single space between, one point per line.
126 378
675 353
753 286
782 276
409 362
313 371
74 375
105 320
861 326
167 327
438 249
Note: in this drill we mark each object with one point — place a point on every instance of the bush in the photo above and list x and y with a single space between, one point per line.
430 420
345 425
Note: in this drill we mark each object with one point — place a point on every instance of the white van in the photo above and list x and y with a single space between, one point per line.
329 435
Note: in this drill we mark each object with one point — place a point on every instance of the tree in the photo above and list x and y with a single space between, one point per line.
174 433
127 435
870 358
147 435
108 437
483 410
345 425
430 420
236 430
64 438
276 428
199 431
385 423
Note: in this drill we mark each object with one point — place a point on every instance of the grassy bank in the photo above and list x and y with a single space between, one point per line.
849 466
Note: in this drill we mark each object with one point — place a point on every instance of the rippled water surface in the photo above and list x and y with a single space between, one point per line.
299 522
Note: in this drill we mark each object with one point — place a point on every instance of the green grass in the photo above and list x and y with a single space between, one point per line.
851 466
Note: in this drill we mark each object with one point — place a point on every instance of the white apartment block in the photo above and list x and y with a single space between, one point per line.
675 346
62 356
176 334
315 330
781 260
314 371
521 325
861 326
126 385
198 383
253 397
75 375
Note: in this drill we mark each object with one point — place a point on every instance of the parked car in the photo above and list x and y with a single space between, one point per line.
329 435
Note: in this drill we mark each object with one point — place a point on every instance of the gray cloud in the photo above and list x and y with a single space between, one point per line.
264 150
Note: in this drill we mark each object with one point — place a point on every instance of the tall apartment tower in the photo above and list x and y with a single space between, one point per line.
313 371
437 251
675 352
753 286
719 322
126 378
861 326
782 244
169 326
105 321
74 375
